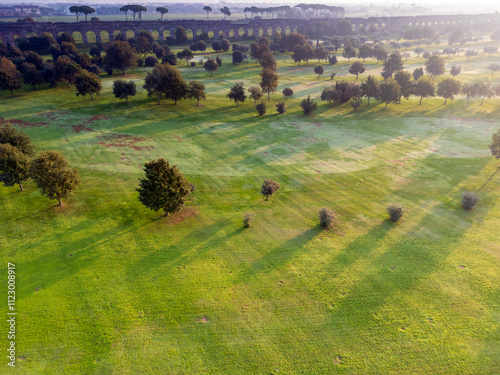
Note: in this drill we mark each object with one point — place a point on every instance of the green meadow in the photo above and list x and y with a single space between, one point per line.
106 286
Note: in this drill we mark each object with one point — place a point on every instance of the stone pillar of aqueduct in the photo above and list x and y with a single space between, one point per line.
230 29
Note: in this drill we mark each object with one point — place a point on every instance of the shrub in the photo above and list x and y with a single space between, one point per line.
308 105
395 212
261 109
150 61
140 62
327 218
469 200
269 187
193 63
247 219
280 107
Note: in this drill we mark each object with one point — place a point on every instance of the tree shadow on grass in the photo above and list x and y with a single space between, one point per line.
279 256
67 260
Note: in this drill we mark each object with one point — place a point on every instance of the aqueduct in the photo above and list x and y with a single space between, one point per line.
230 29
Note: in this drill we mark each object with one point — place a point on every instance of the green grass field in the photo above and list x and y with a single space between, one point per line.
105 286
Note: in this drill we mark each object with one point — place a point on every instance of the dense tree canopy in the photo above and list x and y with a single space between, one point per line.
87 83
52 175
123 89
163 188
165 80
14 166
119 55
10 78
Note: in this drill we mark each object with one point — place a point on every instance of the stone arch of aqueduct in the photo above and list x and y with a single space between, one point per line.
108 30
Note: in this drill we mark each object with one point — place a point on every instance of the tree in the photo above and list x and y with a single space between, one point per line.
185 54
119 56
357 68
281 108
484 90
196 90
10 78
52 175
162 11
319 70
269 81
123 89
137 9
303 52
14 166
180 34
144 42
225 11
447 88
237 93
211 66
418 51
349 52
425 88
255 93
494 68
417 73
208 10
225 45
308 105
389 92
287 93
379 53
455 70
434 65
471 53
370 88
455 37
12 136
125 9
76 10
217 46
469 90
86 10
163 188
495 144
267 60
31 75
404 80
393 64
87 83
365 51
329 94
166 80
321 54
66 70
261 108
332 60
238 57
269 187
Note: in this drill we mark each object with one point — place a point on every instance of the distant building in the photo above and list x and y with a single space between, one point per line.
20 11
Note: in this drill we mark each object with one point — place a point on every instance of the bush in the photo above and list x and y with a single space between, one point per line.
269 187
193 63
327 218
140 61
280 107
308 105
150 61
247 219
261 109
395 212
469 200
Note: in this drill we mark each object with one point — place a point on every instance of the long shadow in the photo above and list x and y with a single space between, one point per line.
278 256
489 179
404 265
66 261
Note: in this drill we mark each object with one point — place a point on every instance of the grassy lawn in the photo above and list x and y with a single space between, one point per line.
105 286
